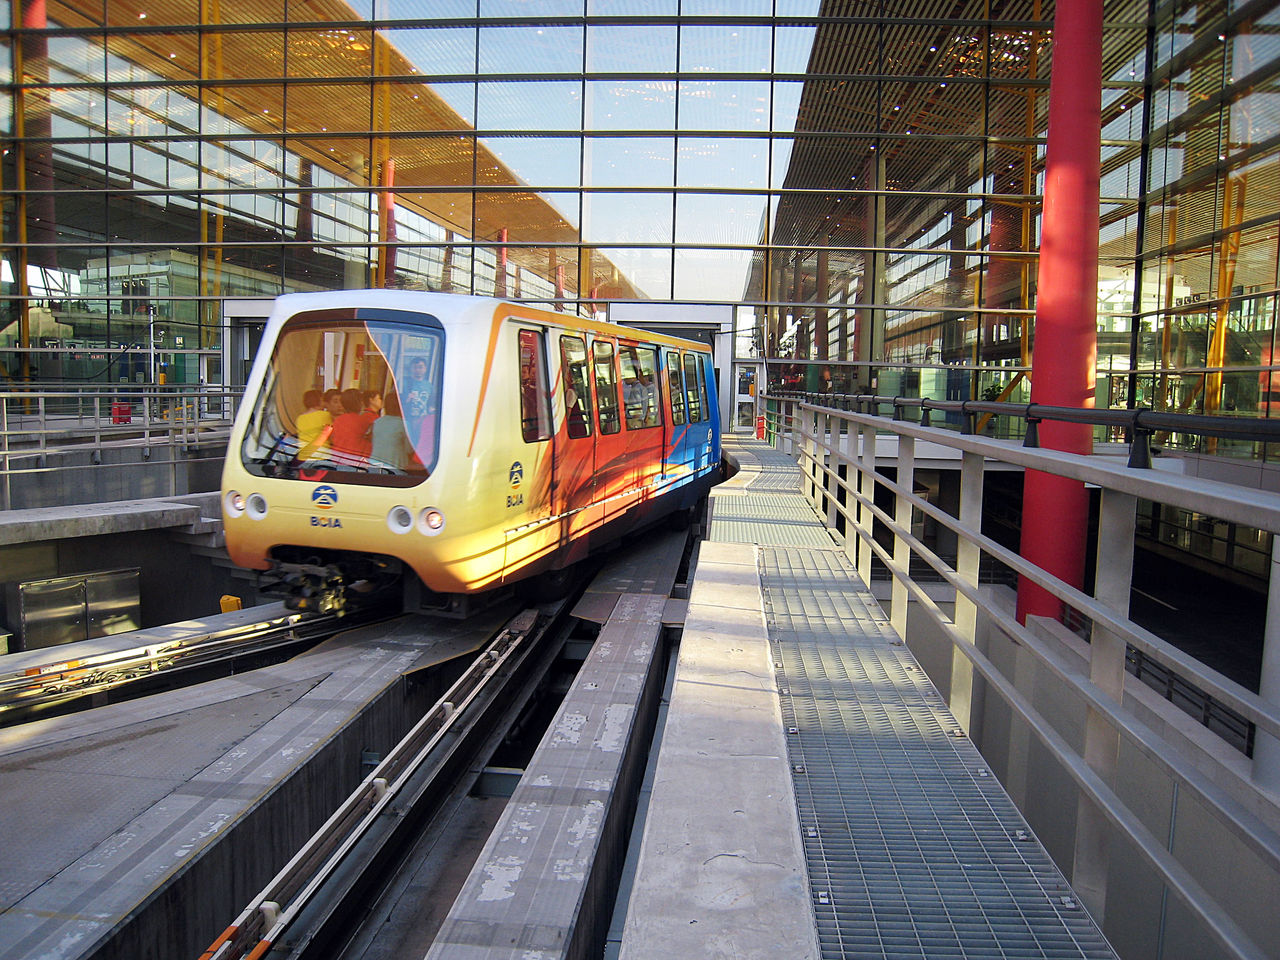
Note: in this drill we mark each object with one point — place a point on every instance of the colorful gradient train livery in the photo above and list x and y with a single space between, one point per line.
456 444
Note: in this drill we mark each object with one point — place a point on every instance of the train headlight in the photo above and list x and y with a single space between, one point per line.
234 503
430 521
400 519
256 506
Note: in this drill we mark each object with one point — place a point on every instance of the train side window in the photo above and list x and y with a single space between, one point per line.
691 387
577 394
677 387
606 387
702 387
535 409
640 386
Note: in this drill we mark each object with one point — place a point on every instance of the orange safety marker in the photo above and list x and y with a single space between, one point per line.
227 934
230 602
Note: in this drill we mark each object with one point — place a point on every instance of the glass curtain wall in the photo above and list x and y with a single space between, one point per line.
861 180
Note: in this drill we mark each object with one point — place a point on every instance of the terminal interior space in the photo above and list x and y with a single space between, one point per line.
802 471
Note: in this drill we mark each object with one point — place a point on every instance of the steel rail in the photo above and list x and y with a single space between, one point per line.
266 919
61 677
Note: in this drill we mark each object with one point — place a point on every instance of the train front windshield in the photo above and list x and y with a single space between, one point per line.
351 396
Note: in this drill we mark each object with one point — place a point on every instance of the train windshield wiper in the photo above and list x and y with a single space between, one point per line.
280 458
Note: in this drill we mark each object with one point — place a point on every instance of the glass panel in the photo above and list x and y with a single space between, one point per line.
526 217
577 392
182 12
435 51
553 49
332 52
320 413
631 105
726 162
531 8
724 105
792 48
536 161
939 107
712 274
631 49
529 105
1255 46
629 162
427 161
719 218
634 272
786 108
633 8
606 387
420 9
234 56
332 108
726 8
728 49
459 104
621 217
71 59
535 409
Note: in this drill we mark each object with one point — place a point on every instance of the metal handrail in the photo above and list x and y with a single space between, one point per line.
47 429
1140 422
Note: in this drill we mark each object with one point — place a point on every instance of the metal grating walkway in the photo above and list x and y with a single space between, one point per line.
913 849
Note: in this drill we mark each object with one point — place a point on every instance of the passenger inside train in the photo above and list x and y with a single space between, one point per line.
326 391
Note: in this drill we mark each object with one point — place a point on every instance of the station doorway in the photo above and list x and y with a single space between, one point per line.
747 378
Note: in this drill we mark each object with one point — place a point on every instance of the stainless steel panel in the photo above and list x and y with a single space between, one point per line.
83 606
51 612
113 600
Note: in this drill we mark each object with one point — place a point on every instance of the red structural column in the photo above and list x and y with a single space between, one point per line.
1055 512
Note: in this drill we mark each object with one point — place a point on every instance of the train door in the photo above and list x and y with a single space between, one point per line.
530 536
611 441
641 415
575 447
700 412
679 457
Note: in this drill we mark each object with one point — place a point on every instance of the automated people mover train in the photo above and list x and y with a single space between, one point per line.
451 445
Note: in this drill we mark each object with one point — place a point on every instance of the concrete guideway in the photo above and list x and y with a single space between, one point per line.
175 809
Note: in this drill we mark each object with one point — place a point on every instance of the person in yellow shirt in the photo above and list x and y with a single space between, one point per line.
313 426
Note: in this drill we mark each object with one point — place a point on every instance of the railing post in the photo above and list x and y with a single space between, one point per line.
966 690
831 480
1116 527
1266 749
4 452
852 483
867 487
901 549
